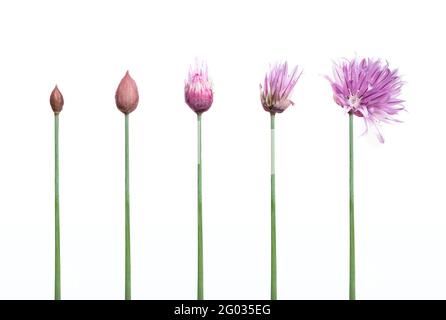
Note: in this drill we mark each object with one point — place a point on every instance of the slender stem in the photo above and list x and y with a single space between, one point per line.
57 294
273 214
352 288
200 295
128 282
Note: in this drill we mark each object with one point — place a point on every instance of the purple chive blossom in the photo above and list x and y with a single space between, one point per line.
277 88
368 89
198 91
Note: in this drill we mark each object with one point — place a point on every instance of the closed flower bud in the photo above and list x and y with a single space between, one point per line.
198 89
127 96
56 100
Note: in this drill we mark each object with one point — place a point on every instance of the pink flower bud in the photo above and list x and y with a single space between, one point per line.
127 96
198 89
56 100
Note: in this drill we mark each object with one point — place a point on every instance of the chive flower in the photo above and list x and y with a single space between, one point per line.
368 89
56 102
127 96
275 98
277 87
199 95
127 99
198 91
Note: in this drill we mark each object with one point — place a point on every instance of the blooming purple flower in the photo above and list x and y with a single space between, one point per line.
127 96
198 91
368 89
277 88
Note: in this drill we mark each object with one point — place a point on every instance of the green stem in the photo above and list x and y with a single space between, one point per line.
273 215
200 295
352 288
128 283
57 294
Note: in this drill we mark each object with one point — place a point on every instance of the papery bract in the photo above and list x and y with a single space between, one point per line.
127 96
56 100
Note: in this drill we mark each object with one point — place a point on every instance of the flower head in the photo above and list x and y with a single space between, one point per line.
368 89
56 100
278 85
127 96
198 91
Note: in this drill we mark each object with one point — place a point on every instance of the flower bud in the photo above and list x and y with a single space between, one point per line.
127 96
198 89
56 100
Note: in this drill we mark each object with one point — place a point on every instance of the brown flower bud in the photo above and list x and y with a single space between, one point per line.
127 96
56 100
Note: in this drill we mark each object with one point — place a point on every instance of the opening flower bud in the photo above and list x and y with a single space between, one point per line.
277 88
198 89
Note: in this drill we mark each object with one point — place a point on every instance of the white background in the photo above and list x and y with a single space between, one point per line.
86 47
